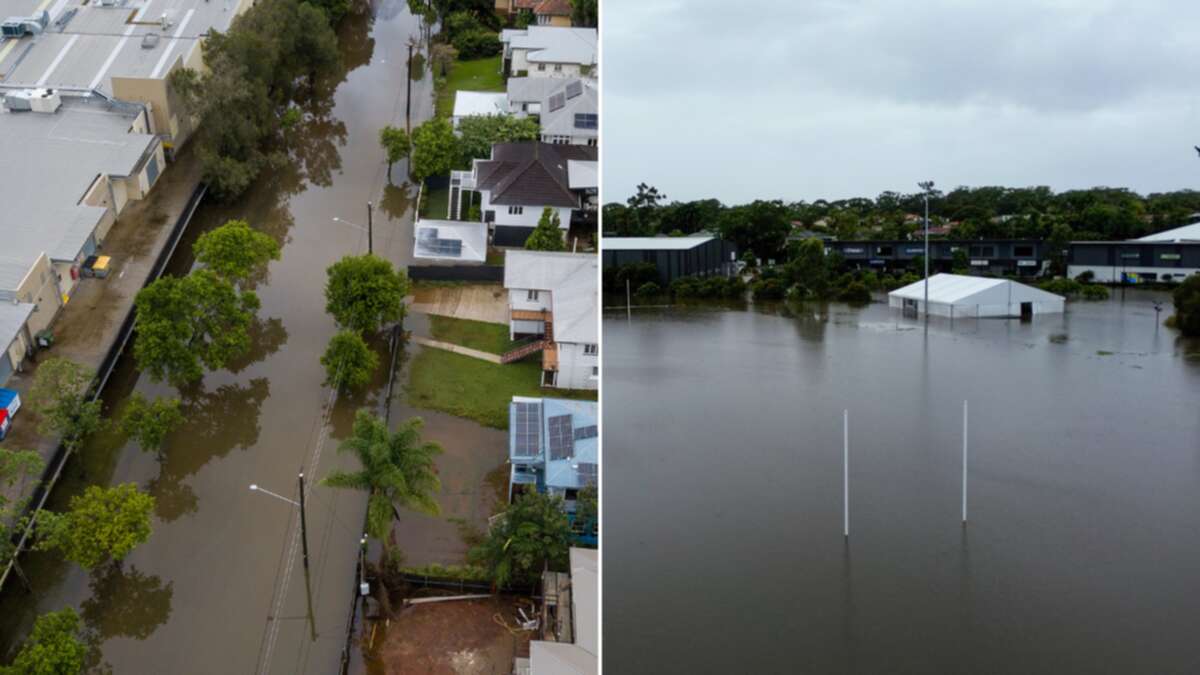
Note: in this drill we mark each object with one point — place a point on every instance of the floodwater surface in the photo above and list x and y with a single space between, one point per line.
723 503
220 586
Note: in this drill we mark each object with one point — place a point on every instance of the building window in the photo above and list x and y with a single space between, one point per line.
983 251
883 250
542 67
1023 251
516 210
587 121
558 67
595 371
591 350
532 297
592 142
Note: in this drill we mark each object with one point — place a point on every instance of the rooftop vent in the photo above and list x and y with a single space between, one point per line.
33 100
20 26
149 40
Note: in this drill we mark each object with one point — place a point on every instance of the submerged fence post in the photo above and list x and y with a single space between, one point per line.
964 464
628 309
846 473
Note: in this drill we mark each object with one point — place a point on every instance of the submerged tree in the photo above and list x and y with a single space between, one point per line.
101 524
397 468
532 534
60 397
1187 306
149 422
235 251
349 362
396 146
54 647
364 293
435 149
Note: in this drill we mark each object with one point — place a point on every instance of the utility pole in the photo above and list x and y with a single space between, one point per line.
408 95
370 232
303 522
927 186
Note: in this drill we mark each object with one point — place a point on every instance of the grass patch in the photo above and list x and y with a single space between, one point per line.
481 335
495 256
435 201
477 390
474 75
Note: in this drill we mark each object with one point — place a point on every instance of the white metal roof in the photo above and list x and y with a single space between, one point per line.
654 243
472 239
468 103
12 318
582 175
561 122
957 289
554 44
1179 234
571 279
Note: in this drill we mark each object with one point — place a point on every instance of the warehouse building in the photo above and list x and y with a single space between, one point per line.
1013 257
675 257
1169 256
955 295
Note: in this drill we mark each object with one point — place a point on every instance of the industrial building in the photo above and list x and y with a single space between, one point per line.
675 257
1169 256
955 295
1013 257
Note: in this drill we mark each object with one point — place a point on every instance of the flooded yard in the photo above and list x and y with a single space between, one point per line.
723 491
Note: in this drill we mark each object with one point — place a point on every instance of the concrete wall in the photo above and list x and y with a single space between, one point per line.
575 367
1108 274
40 286
518 298
528 217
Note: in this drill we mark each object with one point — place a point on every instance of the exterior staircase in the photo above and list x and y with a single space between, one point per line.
545 342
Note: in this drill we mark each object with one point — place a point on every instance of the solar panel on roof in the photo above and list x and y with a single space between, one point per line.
574 89
528 429
428 243
589 473
557 101
562 439
586 432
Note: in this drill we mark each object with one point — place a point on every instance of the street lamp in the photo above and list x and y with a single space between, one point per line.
927 186
369 228
299 504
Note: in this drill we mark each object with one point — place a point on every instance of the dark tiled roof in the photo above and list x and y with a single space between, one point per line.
531 173
554 7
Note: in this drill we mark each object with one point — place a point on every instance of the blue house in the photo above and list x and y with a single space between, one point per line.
554 449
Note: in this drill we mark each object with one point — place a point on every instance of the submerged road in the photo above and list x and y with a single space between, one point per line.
220 587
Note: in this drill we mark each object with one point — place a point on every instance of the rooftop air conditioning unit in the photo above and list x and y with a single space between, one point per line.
20 26
33 100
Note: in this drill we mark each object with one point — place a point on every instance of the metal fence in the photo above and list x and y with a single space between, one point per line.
475 273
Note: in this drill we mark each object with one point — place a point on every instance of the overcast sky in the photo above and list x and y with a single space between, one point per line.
808 99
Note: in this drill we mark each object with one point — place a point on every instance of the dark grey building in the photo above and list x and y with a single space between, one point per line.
1134 261
675 257
1020 257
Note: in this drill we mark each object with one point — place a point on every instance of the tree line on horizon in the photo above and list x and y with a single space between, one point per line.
988 212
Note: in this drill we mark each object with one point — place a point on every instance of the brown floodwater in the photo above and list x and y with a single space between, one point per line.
219 587
723 544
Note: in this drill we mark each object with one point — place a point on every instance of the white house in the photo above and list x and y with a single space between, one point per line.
555 297
570 114
519 181
549 51
525 94
956 295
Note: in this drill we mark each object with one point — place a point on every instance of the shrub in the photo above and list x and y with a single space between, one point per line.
648 290
1187 306
1086 277
476 44
1062 286
768 289
1094 292
855 293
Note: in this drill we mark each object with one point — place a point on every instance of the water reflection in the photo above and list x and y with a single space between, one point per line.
125 602
266 338
397 199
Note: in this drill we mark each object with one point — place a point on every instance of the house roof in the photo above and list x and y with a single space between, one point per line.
530 173
955 289
1178 234
582 174
450 240
553 8
571 279
569 461
654 243
468 103
553 44
573 97
531 89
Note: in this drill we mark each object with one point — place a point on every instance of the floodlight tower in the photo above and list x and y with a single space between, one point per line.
927 187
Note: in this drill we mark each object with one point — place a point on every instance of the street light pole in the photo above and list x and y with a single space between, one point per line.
303 521
927 186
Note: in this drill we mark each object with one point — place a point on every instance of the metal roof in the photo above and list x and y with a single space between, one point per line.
436 239
553 44
468 103
61 155
531 89
952 289
544 432
1187 233
561 121
653 243
571 279
12 317
582 174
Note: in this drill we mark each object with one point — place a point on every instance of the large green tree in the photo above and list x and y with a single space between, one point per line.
185 324
396 146
149 422
760 226
101 524
478 133
435 149
396 469
54 647
349 362
16 466
584 13
534 532
546 236
59 396
364 293
235 251
1187 306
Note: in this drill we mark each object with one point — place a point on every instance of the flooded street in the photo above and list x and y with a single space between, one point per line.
219 587
723 504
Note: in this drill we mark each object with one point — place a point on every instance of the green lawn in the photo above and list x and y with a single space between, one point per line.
435 202
478 390
475 75
481 335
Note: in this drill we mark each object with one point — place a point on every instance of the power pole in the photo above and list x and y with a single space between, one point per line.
303 522
408 95
927 186
370 231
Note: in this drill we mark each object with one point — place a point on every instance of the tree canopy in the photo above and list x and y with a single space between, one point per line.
235 250
396 468
396 145
478 133
364 293
349 362
101 524
149 422
54 647
435 149
761 227
532 533
59 396
185 324
546 236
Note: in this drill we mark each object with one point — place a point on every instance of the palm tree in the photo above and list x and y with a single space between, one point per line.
396 469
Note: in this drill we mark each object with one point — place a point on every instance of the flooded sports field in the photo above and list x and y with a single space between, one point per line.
723 499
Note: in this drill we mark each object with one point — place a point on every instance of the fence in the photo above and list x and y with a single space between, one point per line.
474 273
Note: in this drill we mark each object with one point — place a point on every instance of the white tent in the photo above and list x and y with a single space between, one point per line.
955 295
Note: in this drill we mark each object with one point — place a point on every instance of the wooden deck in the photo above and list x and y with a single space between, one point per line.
531 315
